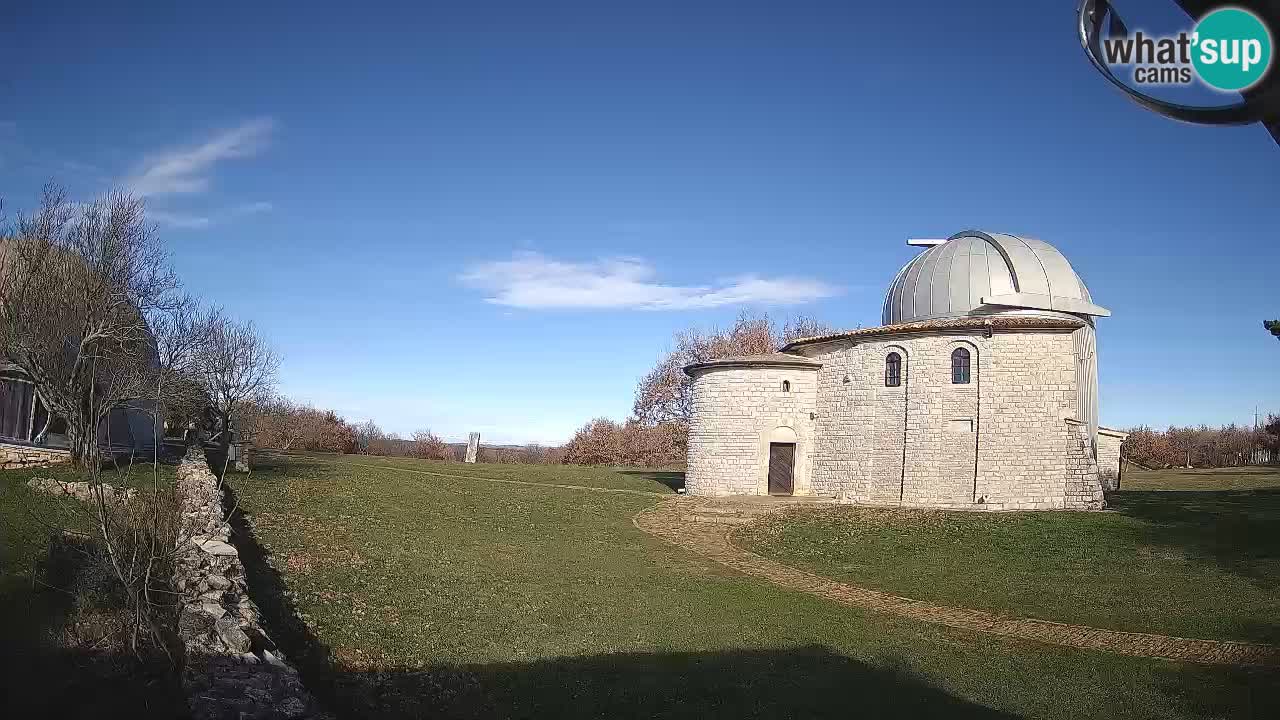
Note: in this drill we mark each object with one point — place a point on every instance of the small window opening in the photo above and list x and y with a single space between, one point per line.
960 366
786 386
893 370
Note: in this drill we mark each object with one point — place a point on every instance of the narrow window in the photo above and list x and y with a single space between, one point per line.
893 370
960 366
786 386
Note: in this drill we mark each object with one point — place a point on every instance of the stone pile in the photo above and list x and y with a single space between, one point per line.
232 670
82 491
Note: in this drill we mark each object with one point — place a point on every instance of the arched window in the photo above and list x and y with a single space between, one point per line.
893 370
960 366
786 386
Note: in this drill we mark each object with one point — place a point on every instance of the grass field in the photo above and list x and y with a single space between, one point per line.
1189 553
427 590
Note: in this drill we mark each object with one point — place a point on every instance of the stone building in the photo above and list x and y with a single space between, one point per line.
979 391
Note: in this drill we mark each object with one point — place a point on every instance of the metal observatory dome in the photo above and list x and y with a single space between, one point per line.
974 273
979 273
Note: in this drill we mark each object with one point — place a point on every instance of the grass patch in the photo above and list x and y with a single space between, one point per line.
60 613
1189 553
458 597
638 479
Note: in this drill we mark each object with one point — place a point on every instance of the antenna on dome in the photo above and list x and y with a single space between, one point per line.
925 242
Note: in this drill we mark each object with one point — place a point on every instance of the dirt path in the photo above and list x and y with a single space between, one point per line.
679 522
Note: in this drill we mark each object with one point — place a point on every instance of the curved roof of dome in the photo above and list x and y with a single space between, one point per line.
978 273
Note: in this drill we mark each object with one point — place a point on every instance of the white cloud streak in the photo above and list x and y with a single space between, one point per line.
184 221
533 281
187 169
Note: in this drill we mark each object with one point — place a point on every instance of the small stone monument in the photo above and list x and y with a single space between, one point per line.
473 446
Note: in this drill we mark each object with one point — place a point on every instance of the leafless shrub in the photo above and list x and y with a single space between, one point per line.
427 444
280 423
605 442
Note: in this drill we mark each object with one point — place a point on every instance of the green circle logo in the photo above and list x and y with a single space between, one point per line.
1232 49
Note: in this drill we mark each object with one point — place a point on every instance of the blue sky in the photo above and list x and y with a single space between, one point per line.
493 216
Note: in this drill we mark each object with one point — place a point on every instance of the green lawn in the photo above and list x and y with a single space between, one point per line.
1190 553
452 596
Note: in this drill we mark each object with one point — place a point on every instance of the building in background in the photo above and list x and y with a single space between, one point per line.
979 391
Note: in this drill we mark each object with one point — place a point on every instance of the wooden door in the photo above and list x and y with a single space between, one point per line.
782 460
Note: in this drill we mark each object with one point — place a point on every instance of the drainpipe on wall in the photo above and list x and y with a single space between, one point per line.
906 392
977 416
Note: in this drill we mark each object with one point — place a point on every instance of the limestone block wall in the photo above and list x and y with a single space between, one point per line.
1082 489
1028 390
943 422
1109 442
737 411
20 456
997 442
846 416
863 426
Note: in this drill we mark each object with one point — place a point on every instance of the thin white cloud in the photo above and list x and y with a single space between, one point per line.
185 221
179 220
188 169
533 281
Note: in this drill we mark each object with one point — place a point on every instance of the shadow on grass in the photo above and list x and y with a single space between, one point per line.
59 639
673 479
1223 692
808 681
1235 528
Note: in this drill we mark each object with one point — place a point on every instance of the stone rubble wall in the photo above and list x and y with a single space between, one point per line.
232 669
13 457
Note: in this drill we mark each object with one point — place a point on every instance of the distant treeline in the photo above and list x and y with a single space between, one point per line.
282 424
1204 446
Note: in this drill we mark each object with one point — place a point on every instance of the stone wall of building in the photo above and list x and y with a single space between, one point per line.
737 412
1028 390
1109 442
1082 489
20 456
232 669
943 422
850 401
997 442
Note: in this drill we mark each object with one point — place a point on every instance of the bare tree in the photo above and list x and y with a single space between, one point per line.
90 311
236 367
367 434
79 285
